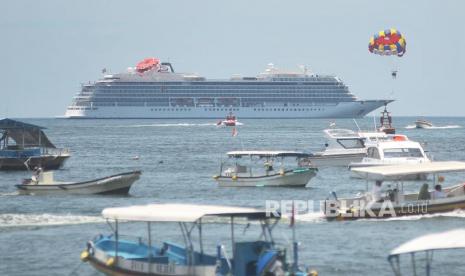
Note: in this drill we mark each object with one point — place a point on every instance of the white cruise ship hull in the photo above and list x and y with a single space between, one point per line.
355 109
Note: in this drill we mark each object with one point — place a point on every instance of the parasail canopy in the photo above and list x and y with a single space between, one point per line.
388 43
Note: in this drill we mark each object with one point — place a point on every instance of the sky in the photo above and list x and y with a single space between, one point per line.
49 47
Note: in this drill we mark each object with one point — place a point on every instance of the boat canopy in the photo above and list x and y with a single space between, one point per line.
454 239
391 171
238 154
180 212
24 134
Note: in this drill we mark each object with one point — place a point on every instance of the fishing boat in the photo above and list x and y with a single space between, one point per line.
425 246
397 150
44 184
116 254
421 123
386 122
24 146
265 169
394 201
344 146
229 121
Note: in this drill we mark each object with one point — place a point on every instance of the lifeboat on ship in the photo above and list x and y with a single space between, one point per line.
230 120
147 65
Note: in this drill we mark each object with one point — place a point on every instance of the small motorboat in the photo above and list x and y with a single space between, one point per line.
266 169
344 146
420 123
117 254
230 120
420 251
386 122
44 184
397 150
394 201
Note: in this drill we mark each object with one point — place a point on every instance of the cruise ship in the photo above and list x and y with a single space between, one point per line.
152 89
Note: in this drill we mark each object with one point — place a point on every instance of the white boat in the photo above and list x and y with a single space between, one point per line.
154 90
265 169
230 120
344 146
391 199
423 124
46 185
421 251
397 150
118 254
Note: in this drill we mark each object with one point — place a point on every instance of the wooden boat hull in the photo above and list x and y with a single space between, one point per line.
293 178
120 271
116 184
47 162
389 209
423 124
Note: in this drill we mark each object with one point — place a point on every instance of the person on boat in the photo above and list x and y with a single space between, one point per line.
376 192
36 175
438 193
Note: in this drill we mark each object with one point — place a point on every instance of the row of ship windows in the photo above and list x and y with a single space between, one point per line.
224 90
237 109
251 103
213 84
277 99
221 95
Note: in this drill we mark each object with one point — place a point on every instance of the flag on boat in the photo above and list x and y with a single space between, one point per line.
234 132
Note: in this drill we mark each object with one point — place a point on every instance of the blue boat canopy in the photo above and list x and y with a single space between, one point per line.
25 135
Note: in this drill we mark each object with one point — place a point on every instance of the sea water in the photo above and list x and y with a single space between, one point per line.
44 235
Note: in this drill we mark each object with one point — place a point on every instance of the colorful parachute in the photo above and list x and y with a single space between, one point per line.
388 42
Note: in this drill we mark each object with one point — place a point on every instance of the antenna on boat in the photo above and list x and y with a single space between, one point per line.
355 121
374 121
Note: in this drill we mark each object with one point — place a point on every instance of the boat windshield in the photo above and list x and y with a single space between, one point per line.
351 143
402 152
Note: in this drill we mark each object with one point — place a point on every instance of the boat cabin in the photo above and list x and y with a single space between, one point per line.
396 150
119 253
255 163
23 146
390 195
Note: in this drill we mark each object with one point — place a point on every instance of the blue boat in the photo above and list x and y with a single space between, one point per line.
25 146
115 254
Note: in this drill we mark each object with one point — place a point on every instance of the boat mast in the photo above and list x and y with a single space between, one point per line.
232 241
149 230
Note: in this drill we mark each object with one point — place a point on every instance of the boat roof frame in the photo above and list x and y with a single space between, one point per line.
389 172
264 153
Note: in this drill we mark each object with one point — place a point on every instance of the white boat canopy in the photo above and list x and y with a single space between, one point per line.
264 153
454 239
178 212
391 171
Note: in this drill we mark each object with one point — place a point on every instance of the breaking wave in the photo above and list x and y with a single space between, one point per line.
173 125
22 220
435 127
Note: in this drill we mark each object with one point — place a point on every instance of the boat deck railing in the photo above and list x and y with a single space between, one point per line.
33 152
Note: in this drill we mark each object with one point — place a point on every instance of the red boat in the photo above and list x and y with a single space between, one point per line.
230 121
386 122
